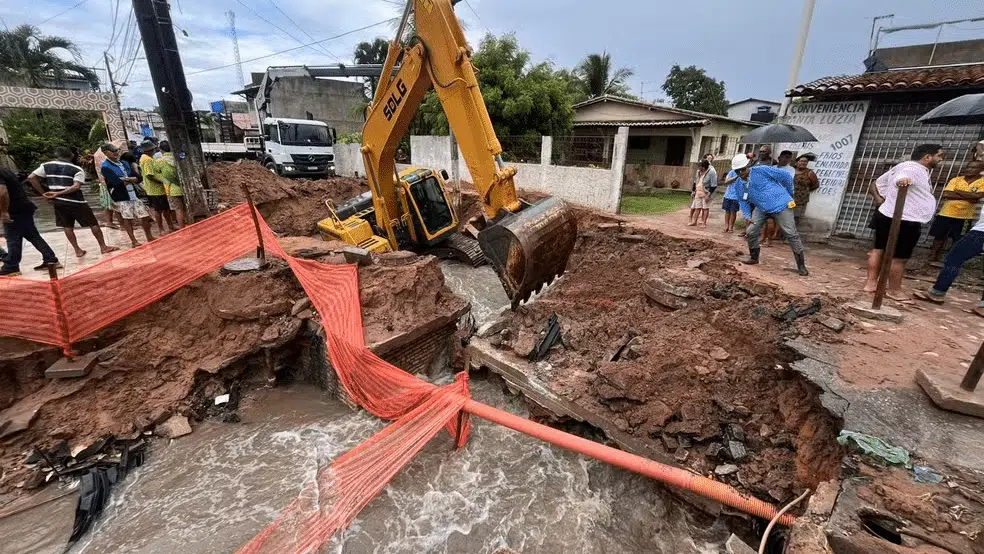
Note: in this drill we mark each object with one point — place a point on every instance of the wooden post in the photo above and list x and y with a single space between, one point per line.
975 372
60 312
260 251
889 255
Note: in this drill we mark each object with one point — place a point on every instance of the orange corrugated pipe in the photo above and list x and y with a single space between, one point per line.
670 475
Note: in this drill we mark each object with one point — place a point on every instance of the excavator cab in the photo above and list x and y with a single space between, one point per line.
428 208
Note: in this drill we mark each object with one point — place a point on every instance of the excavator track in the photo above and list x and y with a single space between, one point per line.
459 247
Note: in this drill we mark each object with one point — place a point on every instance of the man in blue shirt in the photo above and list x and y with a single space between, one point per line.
770 190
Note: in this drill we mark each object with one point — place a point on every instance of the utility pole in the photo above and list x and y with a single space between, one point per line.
116 95
174 98
804 33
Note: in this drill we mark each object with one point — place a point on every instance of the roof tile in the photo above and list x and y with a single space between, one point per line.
897 80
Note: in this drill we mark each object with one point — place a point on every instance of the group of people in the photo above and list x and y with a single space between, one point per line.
772 196
131 189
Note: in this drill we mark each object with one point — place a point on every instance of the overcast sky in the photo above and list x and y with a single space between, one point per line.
748 47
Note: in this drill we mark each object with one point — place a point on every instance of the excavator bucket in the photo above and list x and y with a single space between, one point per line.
530 248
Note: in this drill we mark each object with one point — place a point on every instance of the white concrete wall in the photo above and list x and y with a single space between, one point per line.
348 160
596 188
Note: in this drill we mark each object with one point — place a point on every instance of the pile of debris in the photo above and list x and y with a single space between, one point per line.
290 206
670 342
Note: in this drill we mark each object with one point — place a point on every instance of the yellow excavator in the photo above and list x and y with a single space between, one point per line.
528 245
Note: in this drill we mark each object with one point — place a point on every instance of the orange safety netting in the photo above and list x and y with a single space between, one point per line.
66 310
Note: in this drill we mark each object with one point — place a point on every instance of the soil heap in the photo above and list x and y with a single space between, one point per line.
693 371
176 355
289 206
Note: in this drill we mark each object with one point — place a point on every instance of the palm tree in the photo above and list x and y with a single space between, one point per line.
598 78
28 58
371 52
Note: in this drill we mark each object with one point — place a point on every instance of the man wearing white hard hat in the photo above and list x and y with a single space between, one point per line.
770 191
733 196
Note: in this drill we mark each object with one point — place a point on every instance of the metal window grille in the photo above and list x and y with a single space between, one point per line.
888 135
521 148
583 151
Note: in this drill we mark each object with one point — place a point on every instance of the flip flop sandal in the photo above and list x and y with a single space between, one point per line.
926 297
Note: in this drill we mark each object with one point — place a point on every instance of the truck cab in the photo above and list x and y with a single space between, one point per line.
298 147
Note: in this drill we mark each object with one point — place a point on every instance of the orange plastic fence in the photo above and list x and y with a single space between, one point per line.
114 288
63 311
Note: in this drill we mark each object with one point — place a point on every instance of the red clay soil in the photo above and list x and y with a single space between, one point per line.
289 206
952 511
689 373
189 347
396 298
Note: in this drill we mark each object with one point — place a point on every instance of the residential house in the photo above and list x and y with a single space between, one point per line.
665 143
902 84
754 109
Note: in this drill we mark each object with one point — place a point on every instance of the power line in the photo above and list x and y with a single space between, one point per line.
59 14
301 29
278 27
467 3
353 31
116 16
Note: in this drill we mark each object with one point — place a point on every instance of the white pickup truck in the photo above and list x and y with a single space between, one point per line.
288 147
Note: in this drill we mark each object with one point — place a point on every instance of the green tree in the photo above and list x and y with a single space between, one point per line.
28 58
599 78
371 53
522 98
691 88
33 135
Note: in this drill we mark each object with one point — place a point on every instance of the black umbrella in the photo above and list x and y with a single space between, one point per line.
965 110
778 132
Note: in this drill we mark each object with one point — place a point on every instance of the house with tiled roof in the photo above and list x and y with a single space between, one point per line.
900 85
665 143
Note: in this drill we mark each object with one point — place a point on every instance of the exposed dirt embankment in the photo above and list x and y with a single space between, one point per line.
676 347
176 355
289 206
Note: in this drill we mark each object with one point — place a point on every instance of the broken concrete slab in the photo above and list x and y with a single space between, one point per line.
737 546
356 255
398 258
833 324
77 366
659 283
662 297
726 469
943 388
886 313
491 328
176 426
300 306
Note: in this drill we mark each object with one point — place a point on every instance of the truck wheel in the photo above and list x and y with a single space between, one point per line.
272 167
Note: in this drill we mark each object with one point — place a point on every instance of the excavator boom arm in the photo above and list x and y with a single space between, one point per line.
525 251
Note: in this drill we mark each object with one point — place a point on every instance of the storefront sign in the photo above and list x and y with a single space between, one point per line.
837 126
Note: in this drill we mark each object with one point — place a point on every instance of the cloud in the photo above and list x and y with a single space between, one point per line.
749 48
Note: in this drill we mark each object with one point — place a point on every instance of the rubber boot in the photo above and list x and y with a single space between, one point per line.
753 256
801 264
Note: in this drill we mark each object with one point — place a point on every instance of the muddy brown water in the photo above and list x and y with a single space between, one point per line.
213 490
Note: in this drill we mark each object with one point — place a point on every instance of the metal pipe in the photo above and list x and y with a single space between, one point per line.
935 44
670 475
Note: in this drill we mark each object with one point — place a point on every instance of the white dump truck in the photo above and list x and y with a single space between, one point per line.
287 147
